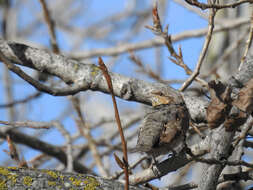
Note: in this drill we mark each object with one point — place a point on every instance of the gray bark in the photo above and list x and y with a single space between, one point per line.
34 179
82 77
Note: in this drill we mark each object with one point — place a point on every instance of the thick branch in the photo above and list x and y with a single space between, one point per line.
81 76
220 138
169 165
23 178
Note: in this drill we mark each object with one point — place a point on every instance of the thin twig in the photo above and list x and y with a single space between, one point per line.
224 162
247 127
51 150
28 124
177 57
147 71
117 146
102 141
204 6
13 152
193 9
85 131
249 40
117 117
39 160
118 174
203 52
51 27
126 47
195 128
7 79
22 101
225 54
69 152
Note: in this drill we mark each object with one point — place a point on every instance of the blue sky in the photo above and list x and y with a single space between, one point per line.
48 107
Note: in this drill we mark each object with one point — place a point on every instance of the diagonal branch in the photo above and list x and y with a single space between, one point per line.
203 52
80 76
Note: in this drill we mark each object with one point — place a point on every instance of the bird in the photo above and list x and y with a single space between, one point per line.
163 129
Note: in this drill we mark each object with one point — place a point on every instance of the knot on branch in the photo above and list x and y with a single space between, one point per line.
126 91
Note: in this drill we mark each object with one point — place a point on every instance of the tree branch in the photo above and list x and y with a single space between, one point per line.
24 178
49 149
81 76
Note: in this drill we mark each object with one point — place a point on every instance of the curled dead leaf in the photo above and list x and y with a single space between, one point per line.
219 106
244 100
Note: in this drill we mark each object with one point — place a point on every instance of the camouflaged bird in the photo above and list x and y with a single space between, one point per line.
163 129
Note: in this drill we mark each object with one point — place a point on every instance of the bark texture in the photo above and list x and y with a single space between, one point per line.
23 178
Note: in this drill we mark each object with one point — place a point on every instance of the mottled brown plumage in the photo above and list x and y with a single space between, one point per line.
163 130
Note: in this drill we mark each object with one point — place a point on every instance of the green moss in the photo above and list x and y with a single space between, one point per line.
51 183
52 174
76 182
4 171
76 67
10 176
28 181
94 70
91 183
3 184
61 177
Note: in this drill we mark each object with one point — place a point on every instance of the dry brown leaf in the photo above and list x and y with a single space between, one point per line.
219 106
245 98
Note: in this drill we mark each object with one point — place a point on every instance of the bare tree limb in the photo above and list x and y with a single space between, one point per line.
49 149
81 76
126 47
